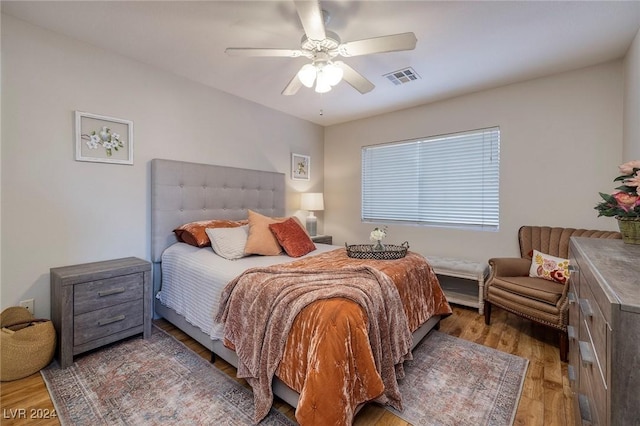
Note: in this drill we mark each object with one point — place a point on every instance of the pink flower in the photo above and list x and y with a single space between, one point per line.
627 168
549 265
633 181
558 275
626 201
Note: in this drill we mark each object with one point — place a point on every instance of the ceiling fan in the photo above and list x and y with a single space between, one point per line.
322 46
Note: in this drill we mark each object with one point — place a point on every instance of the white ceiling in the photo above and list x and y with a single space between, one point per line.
463 46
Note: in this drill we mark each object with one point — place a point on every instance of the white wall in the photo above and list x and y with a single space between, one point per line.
57 211
561 143
631 150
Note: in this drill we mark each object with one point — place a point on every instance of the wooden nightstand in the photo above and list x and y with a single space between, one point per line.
97 303
322 239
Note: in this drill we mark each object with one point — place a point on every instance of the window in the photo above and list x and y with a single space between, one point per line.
449 180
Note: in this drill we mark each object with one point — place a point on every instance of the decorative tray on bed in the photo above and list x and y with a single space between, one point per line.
366 251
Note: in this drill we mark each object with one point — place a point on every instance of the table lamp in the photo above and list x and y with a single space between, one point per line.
312 201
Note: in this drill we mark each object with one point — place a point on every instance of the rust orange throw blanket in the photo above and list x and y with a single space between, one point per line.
347 353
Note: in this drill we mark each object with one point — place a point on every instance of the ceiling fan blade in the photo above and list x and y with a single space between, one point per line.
354 78
250 51
312 19
390 43
292 88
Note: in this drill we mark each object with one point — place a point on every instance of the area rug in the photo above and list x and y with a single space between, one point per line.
149 382
452 381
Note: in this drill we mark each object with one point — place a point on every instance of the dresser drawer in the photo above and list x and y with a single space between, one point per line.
595 324
104 322
94 295
590 288
573 329
591 379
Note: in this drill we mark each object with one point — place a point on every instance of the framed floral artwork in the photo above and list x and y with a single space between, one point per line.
300 167
103 139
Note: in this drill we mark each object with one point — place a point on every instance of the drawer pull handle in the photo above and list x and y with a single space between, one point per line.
571 297
585 409
111 320
585 307
572 373
103 293
586 354
571 332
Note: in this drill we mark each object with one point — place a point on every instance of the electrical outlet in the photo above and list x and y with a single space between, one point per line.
29 304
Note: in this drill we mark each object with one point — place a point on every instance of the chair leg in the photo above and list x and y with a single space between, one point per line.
487 312
564 346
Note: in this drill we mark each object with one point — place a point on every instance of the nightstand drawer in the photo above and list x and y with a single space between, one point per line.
104 322
93 304
95 295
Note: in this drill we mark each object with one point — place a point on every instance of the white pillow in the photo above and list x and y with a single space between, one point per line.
549 267
229 242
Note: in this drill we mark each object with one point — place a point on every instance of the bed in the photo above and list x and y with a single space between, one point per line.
183 192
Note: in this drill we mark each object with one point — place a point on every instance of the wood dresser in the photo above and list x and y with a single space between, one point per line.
604 331
94 304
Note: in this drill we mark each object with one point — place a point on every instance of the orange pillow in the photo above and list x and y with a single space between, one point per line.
292 238
194 233
260 239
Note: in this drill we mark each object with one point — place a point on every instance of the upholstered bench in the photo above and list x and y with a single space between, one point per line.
458 292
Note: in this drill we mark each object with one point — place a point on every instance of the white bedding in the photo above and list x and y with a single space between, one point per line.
193 279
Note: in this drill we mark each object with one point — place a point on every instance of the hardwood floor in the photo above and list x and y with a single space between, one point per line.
546 395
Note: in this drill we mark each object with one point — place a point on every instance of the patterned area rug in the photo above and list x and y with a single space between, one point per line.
149 382
452 381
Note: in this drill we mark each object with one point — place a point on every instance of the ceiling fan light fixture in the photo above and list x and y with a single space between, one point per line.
332 73
307 75
322 83
321 46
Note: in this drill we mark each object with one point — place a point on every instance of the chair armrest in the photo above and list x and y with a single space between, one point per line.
509 267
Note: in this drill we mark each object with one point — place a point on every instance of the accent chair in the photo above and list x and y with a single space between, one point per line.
541 300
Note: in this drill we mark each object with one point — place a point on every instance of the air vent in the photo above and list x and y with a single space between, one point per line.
402 76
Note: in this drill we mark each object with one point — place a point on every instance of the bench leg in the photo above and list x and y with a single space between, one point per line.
481 296
487 312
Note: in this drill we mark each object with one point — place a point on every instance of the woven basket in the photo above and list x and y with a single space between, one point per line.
630 229
366 251
26 344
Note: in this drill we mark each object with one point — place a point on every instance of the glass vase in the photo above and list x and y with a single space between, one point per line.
378 246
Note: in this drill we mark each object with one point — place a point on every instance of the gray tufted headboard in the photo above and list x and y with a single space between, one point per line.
183 192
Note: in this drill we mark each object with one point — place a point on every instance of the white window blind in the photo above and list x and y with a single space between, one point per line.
449 180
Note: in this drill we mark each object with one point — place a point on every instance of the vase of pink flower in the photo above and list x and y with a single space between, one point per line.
624 202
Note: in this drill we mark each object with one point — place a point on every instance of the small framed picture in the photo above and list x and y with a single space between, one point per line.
300 167
103 139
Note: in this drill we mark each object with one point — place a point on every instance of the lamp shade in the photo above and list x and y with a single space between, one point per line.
307 75
332 73
312 201
322 83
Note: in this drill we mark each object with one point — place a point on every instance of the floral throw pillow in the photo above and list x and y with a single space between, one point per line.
549 267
